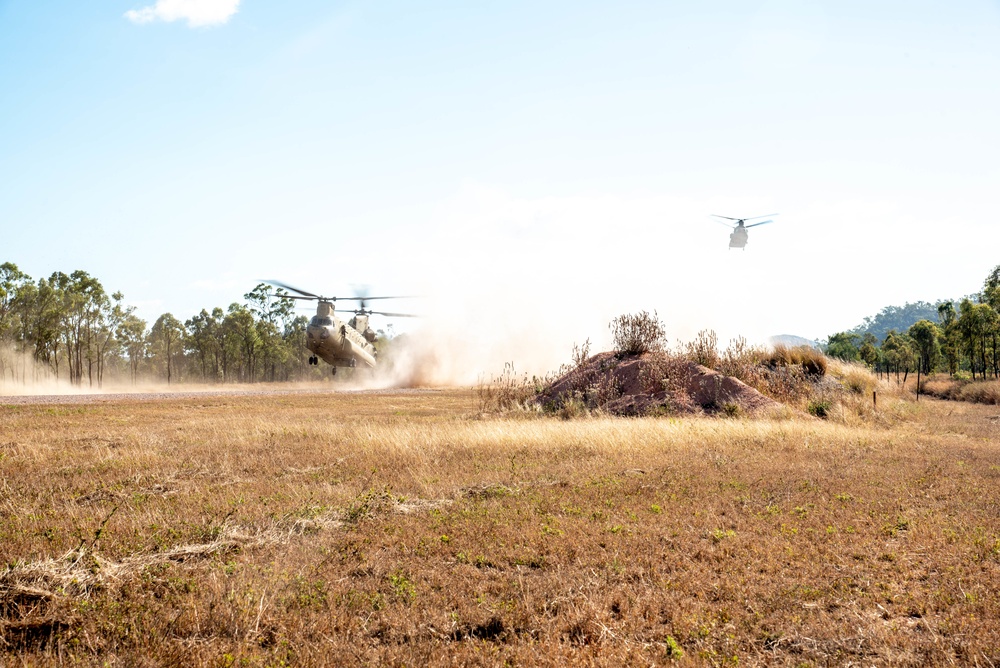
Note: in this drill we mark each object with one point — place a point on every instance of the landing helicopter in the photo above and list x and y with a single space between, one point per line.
738 239
339 343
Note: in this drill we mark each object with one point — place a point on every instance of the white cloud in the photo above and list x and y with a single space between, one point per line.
195 12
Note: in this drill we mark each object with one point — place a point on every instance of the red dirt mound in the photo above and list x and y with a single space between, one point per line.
651 382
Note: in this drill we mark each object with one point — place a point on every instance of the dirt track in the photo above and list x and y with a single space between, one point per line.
116 397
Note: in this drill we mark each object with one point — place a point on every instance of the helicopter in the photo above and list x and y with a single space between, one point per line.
738 238
339 343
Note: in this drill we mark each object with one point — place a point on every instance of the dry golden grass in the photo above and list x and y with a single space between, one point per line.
980 392
402 529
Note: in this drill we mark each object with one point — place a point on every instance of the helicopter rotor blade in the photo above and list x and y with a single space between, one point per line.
367 312
726 217
395 315
309 299
764 216
761 223
727 225
365 299
288 287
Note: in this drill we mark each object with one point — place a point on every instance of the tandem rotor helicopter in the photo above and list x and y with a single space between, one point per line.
738 238
339 343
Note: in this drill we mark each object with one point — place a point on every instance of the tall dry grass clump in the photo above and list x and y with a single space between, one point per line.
812 361
704 350
506 391
979 392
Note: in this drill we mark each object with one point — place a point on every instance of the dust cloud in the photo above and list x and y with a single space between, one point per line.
20 374
520 281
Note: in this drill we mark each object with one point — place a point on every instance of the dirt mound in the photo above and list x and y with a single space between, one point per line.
650 383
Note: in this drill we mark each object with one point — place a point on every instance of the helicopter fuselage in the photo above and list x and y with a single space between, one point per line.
738 239
336 342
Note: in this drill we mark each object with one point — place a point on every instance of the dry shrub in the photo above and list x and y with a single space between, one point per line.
787 384
506 392
704 349
581 353
853 376
637 333
664 372
742 361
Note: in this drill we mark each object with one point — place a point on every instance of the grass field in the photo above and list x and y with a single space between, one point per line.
403 529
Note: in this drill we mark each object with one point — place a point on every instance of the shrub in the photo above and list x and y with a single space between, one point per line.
637 333
704 349
820 408
742 361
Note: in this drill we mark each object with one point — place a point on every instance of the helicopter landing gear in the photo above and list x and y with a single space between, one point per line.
313 361
334 372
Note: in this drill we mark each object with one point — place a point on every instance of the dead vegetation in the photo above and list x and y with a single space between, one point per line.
393 529
979 392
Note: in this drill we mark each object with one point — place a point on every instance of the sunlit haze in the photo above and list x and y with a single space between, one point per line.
531 169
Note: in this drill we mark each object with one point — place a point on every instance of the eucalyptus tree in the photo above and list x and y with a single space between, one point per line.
203 340
273 309
12 284
869 352
898 353
951 339
83 301
926 341
243 340
131 334
165 337
844 345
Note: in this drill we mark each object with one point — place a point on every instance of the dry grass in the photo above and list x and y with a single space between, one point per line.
980 392
396 528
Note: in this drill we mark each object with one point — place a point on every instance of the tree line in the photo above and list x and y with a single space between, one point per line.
68 326
961 340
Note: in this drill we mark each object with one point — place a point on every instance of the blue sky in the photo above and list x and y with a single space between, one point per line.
547 165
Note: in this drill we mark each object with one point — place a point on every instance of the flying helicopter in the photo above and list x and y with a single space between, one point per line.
336 342
738 238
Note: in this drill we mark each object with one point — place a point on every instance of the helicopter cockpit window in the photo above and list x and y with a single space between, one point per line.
321 322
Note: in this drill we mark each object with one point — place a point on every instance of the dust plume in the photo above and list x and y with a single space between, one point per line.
21 374
521 281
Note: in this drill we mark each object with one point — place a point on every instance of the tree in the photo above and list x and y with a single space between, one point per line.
242 340
203 340
924 335
132 335
869 351
844 345
897 351
950 335
12 282
165 340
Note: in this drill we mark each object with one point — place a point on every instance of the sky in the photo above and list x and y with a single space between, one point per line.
531 169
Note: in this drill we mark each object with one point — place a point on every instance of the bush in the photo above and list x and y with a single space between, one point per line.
704 349
637 333
820 408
